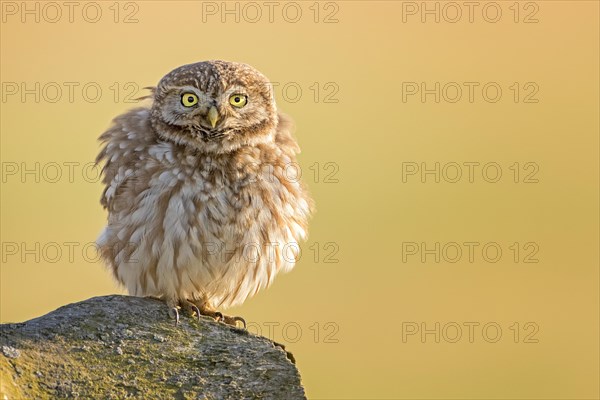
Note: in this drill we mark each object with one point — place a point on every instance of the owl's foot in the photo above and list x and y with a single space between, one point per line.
230 320
201 309
190 308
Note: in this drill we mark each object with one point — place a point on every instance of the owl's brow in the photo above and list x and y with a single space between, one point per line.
180 89
173 88
238 85
237 88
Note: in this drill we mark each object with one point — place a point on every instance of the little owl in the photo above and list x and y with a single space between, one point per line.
204 202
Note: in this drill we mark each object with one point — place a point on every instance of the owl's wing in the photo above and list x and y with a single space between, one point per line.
125 145
286 142
284 138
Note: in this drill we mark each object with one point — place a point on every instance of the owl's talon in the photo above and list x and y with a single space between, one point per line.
240 319
190 308
197 311
174 313
218 316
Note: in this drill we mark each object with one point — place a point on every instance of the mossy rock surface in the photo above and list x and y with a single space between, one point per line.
117 347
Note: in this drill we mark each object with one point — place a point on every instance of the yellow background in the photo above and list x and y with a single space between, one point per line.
369 212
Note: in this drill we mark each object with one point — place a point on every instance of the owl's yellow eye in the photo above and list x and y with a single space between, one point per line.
189 99
238 100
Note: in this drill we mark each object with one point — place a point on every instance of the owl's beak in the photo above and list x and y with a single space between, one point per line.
213 116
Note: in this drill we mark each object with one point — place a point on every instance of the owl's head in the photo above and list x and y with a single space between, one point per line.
214 106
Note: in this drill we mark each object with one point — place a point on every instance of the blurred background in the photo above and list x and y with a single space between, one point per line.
452 151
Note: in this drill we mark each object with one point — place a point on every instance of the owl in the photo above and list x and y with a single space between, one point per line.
205 205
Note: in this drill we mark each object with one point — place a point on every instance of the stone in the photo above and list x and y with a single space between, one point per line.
62 355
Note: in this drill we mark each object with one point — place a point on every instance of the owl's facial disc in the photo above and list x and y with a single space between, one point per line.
215 106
